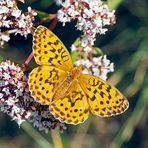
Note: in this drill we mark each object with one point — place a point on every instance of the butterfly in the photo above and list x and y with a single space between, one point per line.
71 95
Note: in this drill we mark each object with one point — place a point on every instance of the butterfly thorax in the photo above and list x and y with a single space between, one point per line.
75 72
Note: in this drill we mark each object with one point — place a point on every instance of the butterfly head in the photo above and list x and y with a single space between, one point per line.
75 72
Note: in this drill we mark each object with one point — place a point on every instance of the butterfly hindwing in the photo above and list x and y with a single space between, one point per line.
49 50
104 100
73 108
43 82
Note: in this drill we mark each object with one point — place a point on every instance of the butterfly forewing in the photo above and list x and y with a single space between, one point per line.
49 50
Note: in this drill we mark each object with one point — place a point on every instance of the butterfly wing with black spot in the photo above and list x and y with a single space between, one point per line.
44 81
104 99
71 107
49 50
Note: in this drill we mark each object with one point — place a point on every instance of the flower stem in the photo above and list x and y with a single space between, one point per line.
52 26
90 56
56 139
29 58
36 136
52 17
54 23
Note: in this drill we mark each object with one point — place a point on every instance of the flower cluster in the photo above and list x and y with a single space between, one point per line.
43 119
4 37
13 18
92 16
16 101
98 66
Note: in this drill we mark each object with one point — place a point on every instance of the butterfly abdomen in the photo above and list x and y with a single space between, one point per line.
62 89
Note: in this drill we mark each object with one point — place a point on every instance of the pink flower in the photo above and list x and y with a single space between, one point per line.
16 101
99 66
12 17
92 17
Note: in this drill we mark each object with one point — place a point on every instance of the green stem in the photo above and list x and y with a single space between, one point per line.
113 4
36 136
56 139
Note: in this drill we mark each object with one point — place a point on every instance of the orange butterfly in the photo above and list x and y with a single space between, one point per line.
71 95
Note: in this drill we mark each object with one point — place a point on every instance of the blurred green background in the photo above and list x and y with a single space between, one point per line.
126 44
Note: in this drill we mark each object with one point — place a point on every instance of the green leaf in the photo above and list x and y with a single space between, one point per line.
98 51
113 4
77 42
43 15
1 58
75 55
